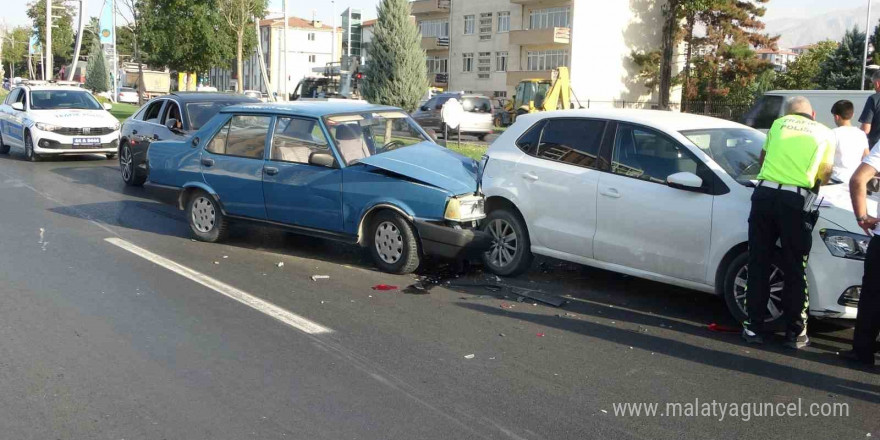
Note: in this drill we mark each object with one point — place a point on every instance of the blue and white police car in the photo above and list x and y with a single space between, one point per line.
44 120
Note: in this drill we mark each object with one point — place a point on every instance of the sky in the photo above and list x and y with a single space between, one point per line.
776 9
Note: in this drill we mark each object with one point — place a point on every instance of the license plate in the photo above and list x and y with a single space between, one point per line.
87 141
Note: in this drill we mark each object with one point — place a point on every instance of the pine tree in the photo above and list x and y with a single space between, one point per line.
802 73
97 79
397 74
842 70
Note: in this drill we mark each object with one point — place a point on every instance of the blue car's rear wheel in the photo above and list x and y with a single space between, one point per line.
206 220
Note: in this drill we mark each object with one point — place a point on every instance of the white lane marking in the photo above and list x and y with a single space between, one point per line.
291 319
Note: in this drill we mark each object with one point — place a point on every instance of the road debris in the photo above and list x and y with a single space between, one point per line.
225 257
540 335
320 277
506 306
468 356
42 231
384 287
606 412
715 327
537 295
280 264
216 262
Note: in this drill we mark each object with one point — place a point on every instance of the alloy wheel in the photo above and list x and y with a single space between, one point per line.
777 282
203 214
389 242
504 243
125 163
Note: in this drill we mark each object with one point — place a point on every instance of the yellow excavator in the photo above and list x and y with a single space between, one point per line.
536 95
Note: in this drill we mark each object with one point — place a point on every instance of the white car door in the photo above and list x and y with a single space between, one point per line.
10 119
642 222
557 177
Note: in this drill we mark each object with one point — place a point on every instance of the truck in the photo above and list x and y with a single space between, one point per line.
155 82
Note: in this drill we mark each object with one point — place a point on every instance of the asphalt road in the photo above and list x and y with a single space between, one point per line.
97 342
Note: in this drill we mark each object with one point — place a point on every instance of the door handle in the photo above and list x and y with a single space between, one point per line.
207 162
530 176
610 192
156 137
134 132
271 171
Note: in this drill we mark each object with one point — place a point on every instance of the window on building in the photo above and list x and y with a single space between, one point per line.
484 65
503 21
546 59
501 61
469 23
500 94
434 28
311 36
311 58
467 62
437 64
550 17
485 26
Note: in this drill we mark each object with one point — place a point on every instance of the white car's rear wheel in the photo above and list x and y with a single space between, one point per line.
510 253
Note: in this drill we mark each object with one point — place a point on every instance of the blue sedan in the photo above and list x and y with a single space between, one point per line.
348 171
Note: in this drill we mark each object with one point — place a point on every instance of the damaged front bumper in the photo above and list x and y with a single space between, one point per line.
450 242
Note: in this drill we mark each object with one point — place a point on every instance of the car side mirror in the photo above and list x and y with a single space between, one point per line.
685 181
17 106
423 108
322 159
195 142
108 106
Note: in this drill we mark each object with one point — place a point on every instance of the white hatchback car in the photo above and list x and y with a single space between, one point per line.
45 119
658 195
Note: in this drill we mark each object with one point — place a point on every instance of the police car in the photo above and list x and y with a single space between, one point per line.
45 119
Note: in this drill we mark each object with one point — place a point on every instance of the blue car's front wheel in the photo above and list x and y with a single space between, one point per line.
394 246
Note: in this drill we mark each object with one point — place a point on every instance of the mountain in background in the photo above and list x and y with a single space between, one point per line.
828 26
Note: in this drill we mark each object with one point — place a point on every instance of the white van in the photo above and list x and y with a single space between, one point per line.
772 105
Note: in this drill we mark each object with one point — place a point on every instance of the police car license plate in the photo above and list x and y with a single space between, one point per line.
87 142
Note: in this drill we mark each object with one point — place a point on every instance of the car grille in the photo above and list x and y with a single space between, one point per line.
75 131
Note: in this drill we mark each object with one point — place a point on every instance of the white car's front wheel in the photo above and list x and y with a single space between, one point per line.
29 153
735 281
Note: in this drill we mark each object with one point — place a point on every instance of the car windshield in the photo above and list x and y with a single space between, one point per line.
63 99
199 113
736 150
367 134
476 104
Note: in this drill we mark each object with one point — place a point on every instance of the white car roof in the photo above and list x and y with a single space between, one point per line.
53 87
664 120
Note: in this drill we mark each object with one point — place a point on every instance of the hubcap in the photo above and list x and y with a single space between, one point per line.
504 243
389 242
203 215
125 164
774 304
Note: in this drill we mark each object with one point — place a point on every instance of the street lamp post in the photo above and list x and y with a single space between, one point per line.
865 55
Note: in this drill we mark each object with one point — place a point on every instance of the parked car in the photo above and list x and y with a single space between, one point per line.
173 116
44 120
477 120
771 106
349 171
256 94
658 195
128 95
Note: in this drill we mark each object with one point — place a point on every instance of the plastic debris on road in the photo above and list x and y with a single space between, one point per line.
384 287
468 356
722 328
216 262
280 264
320 277
225 257
540 335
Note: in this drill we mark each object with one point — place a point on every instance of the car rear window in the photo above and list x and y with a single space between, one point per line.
477 105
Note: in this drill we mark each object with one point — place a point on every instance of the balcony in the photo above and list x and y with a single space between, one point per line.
423 7
435 43
535 37
515 76
438 79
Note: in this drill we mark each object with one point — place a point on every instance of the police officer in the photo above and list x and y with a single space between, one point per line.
798 152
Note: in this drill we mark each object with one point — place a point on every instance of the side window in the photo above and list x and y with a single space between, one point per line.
152 112
247 136
528 142
572 141
296 139
172 111
648 155
218 143
22 98
13 96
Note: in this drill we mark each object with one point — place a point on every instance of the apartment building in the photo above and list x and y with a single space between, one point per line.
489 46
309 44
779 58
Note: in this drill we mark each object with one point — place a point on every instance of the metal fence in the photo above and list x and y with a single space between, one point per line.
717 109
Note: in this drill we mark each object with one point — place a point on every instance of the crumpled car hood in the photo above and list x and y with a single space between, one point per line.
432 164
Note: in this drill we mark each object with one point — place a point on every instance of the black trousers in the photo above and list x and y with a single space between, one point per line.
868 318
778 215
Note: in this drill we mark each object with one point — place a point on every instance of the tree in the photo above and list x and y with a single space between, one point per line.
875 43
97 77
842 70
803 72
240 16
396 74
674 11
184 35
62 34
649 64
16 54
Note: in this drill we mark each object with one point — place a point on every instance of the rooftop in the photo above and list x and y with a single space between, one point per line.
313 109
297 23
211 96
671 121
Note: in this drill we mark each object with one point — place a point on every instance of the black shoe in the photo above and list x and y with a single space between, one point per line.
852 356
796 342
752 339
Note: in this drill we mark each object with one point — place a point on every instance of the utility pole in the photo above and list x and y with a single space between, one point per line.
82 8
867 34
115 74
47 48
284 54
333 34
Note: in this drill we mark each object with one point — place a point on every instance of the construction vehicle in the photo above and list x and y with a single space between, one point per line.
536 95
333 82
